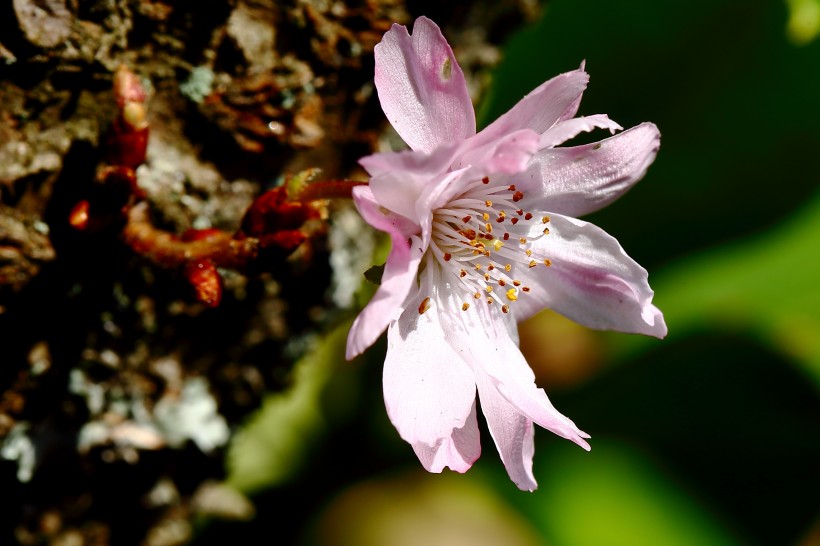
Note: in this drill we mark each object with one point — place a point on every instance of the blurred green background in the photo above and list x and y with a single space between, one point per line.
710 437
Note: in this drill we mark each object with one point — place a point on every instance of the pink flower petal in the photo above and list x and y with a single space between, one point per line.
509 154
399 273
457 452
419 163
512 432
494 353
428 390
565 130
582 179
402 177
553 101
591 280
421 87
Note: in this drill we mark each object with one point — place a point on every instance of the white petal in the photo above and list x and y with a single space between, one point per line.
582 179
591 280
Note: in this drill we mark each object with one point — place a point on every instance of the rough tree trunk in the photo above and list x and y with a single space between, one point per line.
118 389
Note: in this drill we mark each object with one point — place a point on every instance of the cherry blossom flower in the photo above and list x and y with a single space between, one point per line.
484 235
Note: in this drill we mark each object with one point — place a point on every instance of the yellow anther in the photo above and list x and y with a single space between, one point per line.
522 240
489 288
488 203
528 252
545 219
486 217
512 294
547 262
465 306
533 263
498 244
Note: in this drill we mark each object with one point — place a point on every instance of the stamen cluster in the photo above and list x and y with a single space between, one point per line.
482 236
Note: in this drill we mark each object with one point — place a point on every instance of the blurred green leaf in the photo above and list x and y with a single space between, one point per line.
270 448
415 508
804 20
769 285
616 496
726 415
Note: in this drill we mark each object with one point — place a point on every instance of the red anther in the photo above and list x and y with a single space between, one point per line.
518 196
205 279
78 217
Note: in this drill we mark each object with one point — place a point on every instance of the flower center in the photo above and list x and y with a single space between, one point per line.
482 237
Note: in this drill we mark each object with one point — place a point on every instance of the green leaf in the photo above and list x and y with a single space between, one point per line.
804 20
271 447
374 274
615 496
769 286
